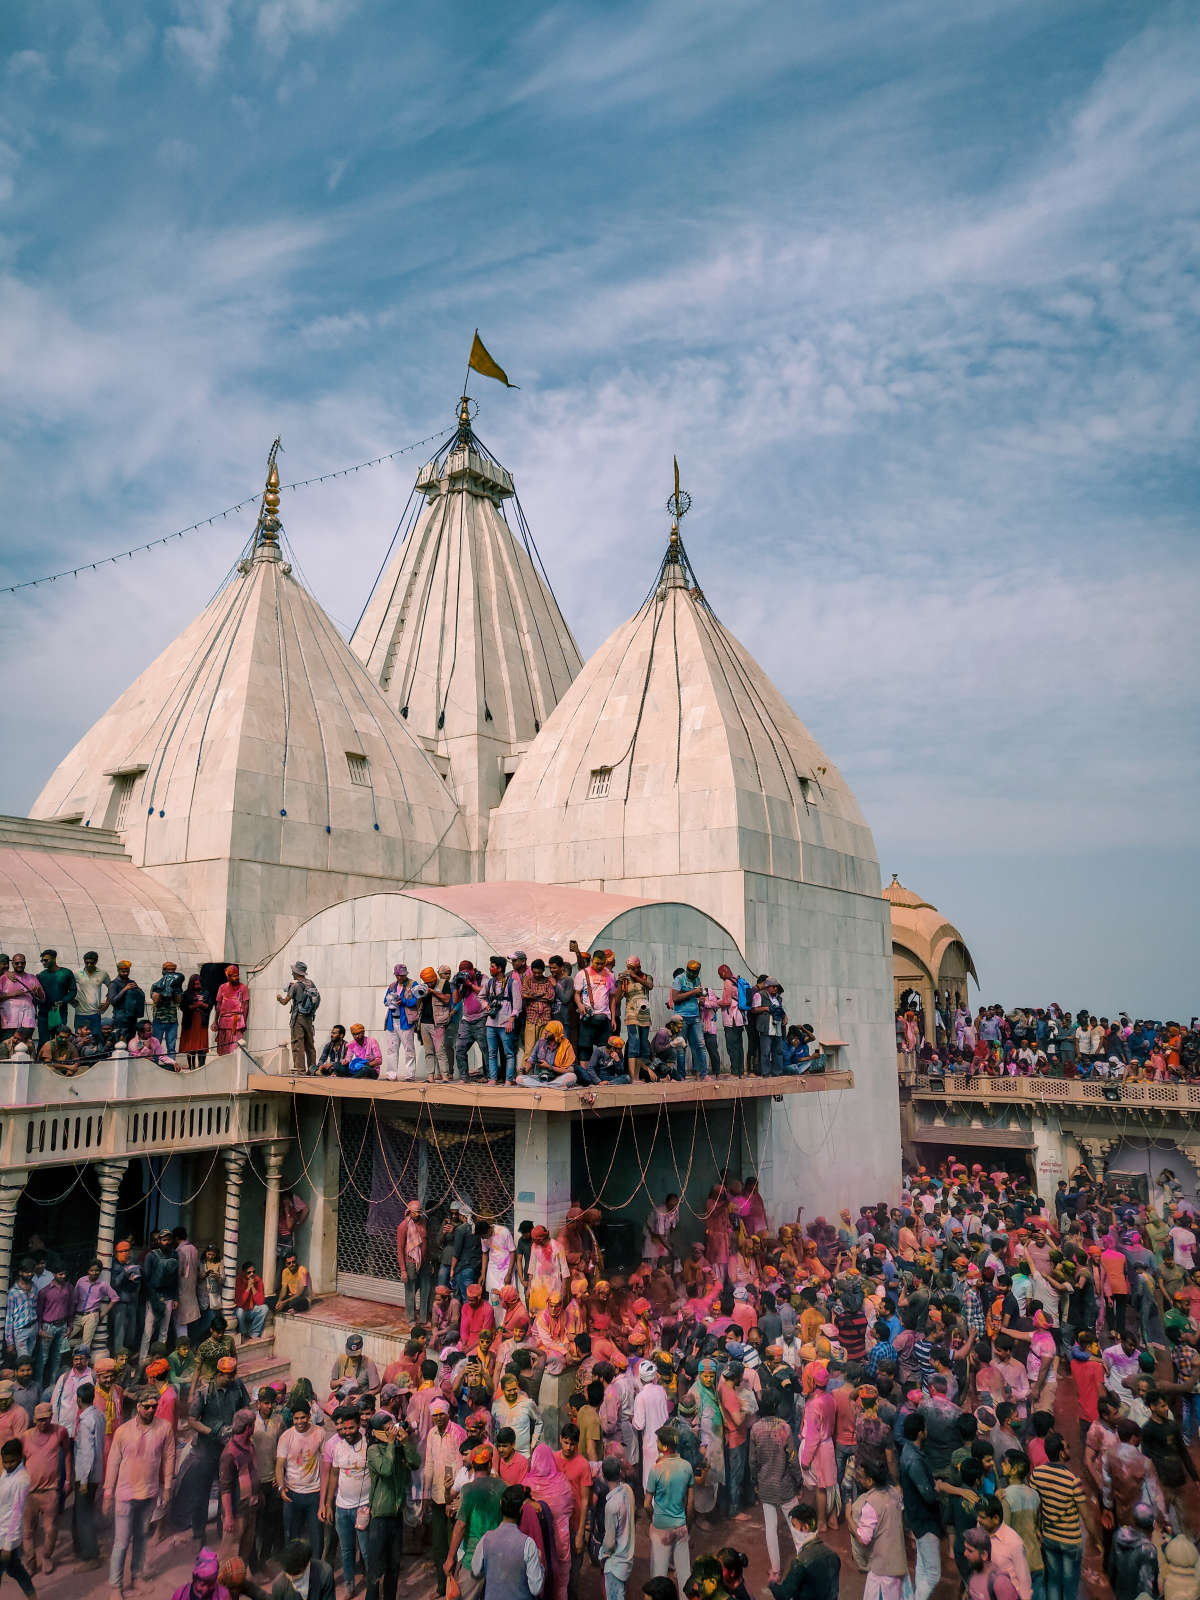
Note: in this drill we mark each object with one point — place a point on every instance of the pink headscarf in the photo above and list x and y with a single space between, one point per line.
546 1483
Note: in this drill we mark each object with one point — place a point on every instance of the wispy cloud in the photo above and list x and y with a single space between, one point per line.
910 290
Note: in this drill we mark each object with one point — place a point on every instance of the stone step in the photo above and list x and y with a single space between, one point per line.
29 833
258 1363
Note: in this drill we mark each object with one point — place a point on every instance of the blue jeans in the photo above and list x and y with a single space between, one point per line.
348 1536
638 1049
167 1033
462 1281
46 1353
300 1519
737 1458
471 1030
501 1042
770 1056
1039 1585
1064 1566
693 1035
251 1321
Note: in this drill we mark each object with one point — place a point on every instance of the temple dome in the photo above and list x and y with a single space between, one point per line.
672 762
257 769
928 952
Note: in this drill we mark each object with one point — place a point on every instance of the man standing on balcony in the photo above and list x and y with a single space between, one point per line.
59 991
91 994
402 1002
164 1000
304 997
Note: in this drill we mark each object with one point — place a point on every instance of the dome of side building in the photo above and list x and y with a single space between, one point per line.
256 769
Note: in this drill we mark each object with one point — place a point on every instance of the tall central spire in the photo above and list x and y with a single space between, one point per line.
462 631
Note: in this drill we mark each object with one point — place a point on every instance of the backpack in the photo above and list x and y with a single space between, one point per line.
308 1000
745 996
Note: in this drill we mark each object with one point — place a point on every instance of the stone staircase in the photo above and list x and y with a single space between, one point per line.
28 833
258 1363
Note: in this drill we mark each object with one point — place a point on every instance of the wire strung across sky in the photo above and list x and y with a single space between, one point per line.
217 516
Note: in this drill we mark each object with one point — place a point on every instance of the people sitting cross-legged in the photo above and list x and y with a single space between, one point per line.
331 1063
607 1063
145 1044
363 1055
59 1052
668 1051
551 1061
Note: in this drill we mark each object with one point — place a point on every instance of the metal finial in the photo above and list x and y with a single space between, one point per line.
267 531
679 503
467 409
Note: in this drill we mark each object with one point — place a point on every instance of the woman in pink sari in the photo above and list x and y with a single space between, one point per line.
546 1483
233 1011
818 1458
718 1231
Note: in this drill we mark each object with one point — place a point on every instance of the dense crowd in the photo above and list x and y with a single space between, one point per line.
562 1023
1046 1042
969 1382
71 1018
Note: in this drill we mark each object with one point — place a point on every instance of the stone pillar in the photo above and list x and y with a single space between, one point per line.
542 1168
274 1154
109 1175
12 1185
235 1166
320 1183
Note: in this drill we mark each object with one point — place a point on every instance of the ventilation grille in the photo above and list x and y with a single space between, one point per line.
360 770
121 796
598 787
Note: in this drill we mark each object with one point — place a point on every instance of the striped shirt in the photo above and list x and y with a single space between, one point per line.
1061 1494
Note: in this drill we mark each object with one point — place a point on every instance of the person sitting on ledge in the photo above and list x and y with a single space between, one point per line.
91 1048
363 1055
551 1061
295 1287
145 1044
668 1052
59 1052
332 1061
607 1064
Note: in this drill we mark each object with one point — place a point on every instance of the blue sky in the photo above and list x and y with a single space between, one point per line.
911 290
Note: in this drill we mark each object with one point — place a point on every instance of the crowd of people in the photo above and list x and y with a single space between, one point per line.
969 1384
1045 1042
562 1022
71 1018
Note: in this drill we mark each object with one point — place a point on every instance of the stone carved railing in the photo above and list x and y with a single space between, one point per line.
126 1107
1052 1091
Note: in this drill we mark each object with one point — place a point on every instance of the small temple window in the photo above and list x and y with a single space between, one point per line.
598 787
360 770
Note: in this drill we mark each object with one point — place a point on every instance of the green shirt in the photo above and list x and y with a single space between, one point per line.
669 1483
390 1463
479 1512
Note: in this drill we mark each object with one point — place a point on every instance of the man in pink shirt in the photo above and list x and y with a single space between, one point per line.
477 1314
137 1478
1008 1548
46 1449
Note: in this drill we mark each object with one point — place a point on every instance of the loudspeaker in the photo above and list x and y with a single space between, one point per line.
1112 1092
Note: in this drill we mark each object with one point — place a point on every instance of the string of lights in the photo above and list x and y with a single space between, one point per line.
217 516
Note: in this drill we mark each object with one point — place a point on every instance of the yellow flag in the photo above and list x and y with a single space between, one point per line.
482 362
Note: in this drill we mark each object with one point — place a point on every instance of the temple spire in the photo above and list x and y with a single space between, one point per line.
266 532
678 505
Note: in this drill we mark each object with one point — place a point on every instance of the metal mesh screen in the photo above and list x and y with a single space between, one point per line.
387 1162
